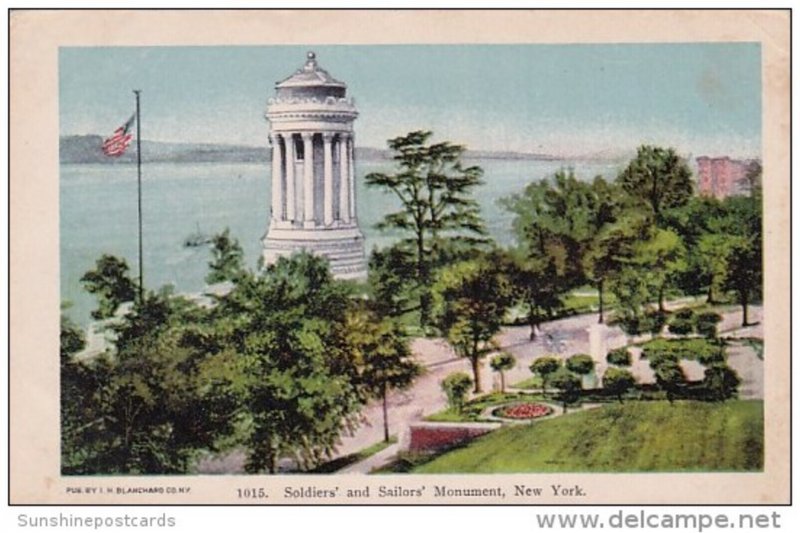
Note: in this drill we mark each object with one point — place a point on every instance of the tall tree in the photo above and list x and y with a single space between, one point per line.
471 299
300 375
227 263
109 281
659 179
383 357
437 209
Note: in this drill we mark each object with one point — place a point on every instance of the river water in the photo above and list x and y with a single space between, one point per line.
98 214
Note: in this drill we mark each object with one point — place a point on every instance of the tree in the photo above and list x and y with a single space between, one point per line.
536 285
661 259
500 363
435 192
721 382
669 377
568 385
658 179
471 299
456 386
619 357
301 382
745 272
581 364
151 403
544 367
618 381
383 356
555 221
390 280
227 263
109 281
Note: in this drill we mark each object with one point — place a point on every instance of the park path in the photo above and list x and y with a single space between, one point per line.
425 397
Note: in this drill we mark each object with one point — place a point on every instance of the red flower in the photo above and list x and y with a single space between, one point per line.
524 411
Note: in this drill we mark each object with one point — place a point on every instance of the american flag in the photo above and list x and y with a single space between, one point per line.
116 145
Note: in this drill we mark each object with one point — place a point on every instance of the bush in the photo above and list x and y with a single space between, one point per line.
456 387
706 324
618 381
670 378
701 350
544 367
654 322
580 364
568 385
721 382
681 326
619 357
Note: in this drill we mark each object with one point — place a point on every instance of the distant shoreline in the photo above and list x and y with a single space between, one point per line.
85 149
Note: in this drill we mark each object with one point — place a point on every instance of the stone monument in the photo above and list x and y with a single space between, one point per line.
313 172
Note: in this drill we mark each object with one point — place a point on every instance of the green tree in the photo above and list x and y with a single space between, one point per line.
437 209
300 382
227 263
109 281
383 357
581 364
568 385
619 357
456 386
670 378
390 282
545 367
745 272
661 259
618 381
500 363
721 382
659 179
471 299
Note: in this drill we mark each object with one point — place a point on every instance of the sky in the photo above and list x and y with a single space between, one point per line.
566 100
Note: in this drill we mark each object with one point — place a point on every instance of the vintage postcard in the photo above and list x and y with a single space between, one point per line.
399 257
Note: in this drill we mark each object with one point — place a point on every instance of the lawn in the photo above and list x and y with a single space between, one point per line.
633 437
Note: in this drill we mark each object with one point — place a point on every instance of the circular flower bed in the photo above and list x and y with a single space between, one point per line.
523 411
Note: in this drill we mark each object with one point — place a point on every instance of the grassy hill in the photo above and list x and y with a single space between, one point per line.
634 437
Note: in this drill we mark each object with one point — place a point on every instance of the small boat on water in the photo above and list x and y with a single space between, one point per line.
198 238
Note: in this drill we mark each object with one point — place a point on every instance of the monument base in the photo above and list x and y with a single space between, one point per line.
343 247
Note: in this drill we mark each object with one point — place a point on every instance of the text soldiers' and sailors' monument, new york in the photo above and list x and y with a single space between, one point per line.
313 173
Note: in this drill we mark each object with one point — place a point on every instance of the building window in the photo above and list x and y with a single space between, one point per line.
299 148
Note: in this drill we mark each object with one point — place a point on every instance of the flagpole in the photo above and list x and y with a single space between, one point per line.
139 190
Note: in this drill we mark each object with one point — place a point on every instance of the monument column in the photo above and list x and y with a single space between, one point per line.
308 180
277 175
327 218
351 176
344 179
288 142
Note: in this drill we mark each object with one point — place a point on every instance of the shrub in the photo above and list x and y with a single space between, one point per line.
618 381
500 363
681 326
456 387
654 322
721 382
670 378
701 350
580 364
568 385
619 357
685 314
706 324
544 367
